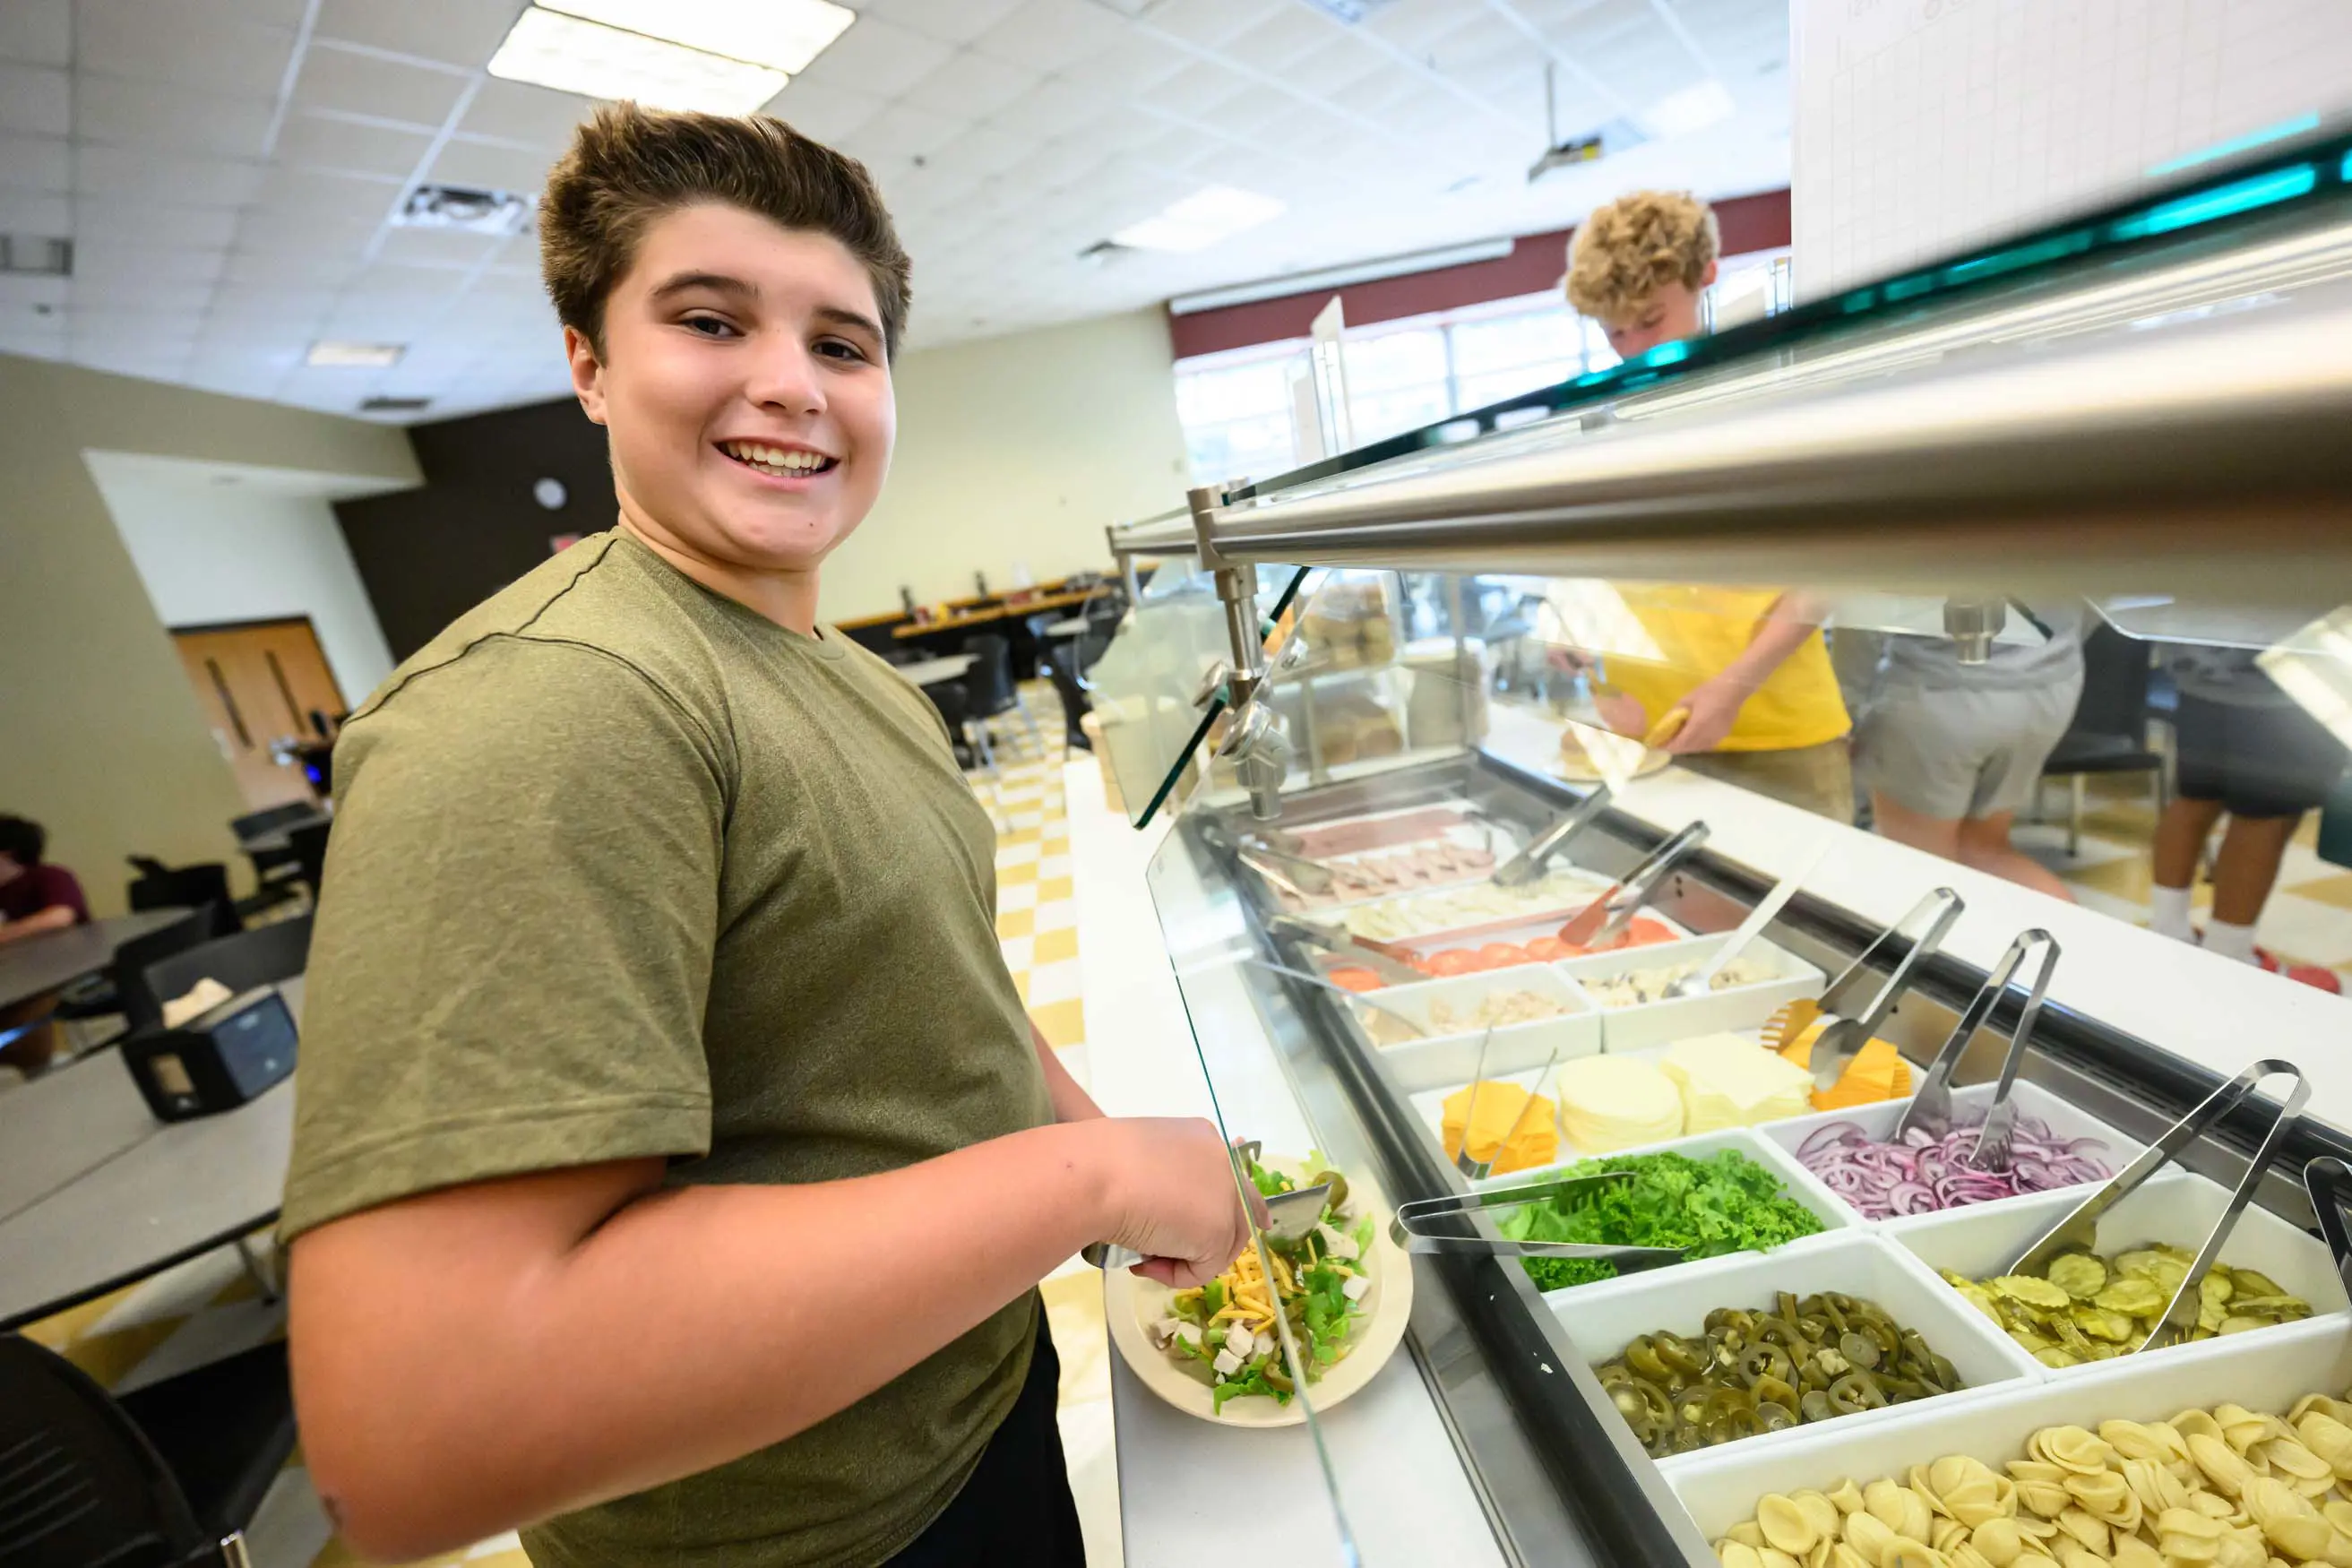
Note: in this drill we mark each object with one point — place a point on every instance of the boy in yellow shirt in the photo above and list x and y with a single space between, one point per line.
1749 666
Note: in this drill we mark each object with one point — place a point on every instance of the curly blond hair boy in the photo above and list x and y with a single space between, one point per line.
1638 266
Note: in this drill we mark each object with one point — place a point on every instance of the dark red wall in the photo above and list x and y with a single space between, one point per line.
1537 262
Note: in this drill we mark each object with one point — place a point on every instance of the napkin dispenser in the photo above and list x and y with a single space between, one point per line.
216 1061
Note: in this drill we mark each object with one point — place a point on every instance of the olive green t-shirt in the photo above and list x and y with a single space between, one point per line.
622 869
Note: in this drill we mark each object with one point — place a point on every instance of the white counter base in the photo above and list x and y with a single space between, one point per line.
1188 1489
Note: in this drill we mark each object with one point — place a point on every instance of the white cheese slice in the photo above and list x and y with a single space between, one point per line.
1227 1363
1729 1080
1356 1288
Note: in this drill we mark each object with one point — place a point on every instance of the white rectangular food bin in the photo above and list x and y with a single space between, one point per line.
1450 1058
2265 1371
1603 1322
1836 1218
1970 1104
1714 1013
1435 916
2176 1207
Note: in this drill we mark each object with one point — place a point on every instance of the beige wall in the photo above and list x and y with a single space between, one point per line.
100 736
1017 450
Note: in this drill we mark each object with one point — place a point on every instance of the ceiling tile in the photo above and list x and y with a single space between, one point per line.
109 171
1052 35
456 32
310 142
1199 89
176 119
116 263
32 337
1206 22
99 297
35 212
36 164
880 57
300 308
37 32
433 248
1054 106
979 152
384 89
516 111
100 220
321 196
21 297
212 44
971 87
953 21
281 229
822 111
1136 63
35 99
1282 35
256 270
900 134
492 168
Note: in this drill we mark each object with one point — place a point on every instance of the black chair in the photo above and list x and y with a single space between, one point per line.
162 886
309 842
167 1477
261 824
124 988
2109 732
262 956
990 694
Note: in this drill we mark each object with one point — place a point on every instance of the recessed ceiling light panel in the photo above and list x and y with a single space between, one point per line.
456 209
339 353
782 34
1201 220
572 54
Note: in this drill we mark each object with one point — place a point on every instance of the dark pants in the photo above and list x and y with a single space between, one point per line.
1016 1508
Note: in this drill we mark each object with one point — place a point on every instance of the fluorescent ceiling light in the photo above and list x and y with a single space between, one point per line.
1691 110
782 34
335 352
571 54
1201 220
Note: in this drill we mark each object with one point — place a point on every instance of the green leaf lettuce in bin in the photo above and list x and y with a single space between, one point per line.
1721 1203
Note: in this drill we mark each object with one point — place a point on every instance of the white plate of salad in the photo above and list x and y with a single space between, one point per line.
1346 1290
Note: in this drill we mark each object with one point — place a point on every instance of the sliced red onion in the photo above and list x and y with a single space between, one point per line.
1919 1175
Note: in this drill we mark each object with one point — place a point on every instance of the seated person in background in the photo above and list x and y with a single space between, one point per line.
35 898
1949 751
1749 666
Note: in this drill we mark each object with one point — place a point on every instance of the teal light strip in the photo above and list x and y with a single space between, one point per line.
2222 201
2297 126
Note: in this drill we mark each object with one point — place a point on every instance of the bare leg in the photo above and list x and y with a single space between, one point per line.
1936 834
2181 835
1985 847
2248 866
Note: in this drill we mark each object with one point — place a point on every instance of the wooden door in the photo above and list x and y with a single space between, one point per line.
262 685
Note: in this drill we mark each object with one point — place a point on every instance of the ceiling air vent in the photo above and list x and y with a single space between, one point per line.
459 209
36 256
396 405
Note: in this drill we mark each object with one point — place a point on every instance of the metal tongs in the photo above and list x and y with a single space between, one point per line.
1931 1104
1407 1019
2079 1230
1419 1226
2328 1180
1296 875
1528 864
1391 964
1288 1215
1837 1046
1599 924
1464 1162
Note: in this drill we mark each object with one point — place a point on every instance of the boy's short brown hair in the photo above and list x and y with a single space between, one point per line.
1628 251
628 165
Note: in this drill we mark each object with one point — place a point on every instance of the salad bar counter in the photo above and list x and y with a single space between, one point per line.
1753 1184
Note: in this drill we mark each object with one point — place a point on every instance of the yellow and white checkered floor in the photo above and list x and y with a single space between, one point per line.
2308 919
209 1306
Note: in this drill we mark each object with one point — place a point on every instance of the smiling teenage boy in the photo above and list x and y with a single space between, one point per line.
674 1163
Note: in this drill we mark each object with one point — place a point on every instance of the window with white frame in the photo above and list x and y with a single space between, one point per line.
1236 406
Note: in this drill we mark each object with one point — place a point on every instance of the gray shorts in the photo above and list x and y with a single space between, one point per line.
1955 753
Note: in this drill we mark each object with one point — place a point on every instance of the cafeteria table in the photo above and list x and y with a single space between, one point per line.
936 671
40 965
172 1192
1075 627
